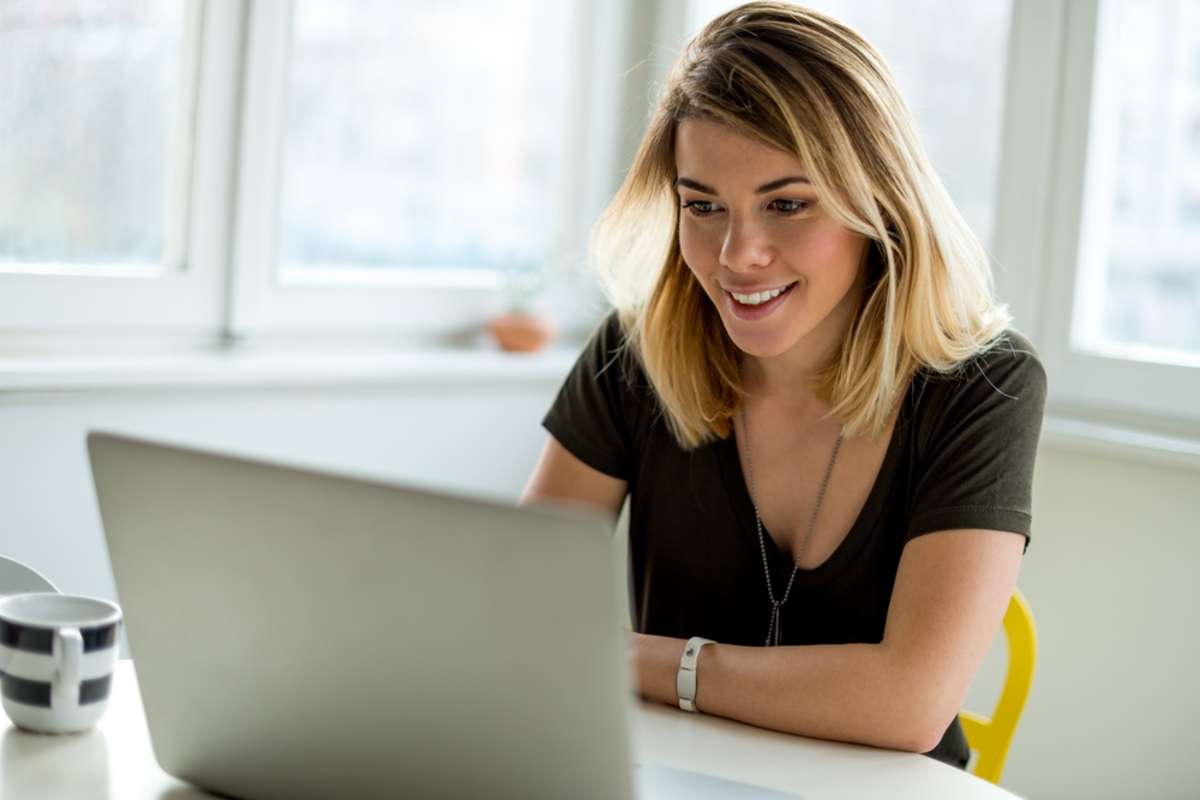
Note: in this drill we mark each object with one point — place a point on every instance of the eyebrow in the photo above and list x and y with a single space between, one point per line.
770 186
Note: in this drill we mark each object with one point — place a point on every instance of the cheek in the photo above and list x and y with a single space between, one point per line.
699 247
835 250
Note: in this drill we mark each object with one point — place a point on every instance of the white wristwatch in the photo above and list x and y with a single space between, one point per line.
685 680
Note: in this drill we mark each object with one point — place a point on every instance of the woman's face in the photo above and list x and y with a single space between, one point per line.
775 265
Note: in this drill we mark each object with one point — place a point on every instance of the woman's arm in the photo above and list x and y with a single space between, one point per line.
561 477
951 591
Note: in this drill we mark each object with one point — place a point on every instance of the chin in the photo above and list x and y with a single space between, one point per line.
761 344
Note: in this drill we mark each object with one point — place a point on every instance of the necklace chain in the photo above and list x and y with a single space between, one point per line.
775 627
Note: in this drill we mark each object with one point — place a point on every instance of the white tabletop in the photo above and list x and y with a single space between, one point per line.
115 761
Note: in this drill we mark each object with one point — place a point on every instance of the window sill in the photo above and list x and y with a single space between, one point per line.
1121 442
240 370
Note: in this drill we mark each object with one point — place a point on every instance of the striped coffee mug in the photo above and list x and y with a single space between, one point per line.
57 654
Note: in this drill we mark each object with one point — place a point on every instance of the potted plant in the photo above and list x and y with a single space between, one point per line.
519 328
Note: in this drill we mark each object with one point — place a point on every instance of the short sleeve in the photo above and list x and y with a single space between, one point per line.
977 452
591 416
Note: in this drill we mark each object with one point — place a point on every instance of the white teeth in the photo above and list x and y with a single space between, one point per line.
758 298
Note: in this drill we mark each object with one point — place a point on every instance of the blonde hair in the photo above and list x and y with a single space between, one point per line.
806 84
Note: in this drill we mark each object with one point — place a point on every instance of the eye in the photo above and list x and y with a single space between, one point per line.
699 208
789 207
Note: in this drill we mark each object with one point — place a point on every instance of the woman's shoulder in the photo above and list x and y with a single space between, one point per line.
1013 348
1009 360
1003 383
974 438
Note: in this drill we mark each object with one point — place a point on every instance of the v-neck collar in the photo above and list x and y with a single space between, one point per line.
780 564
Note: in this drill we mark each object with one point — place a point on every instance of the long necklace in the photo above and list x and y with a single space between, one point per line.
775 627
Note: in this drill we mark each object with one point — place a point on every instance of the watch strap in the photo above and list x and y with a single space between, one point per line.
685 679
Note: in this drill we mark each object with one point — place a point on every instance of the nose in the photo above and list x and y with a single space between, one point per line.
746 246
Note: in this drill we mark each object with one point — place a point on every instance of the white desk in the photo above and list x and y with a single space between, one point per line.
115 761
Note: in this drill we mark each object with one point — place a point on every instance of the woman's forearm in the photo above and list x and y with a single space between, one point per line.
852 692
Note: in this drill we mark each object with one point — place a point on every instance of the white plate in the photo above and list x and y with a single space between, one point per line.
16 578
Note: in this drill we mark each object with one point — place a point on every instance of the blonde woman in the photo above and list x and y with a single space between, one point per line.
824 425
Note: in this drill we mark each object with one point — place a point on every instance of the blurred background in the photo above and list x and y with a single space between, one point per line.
280 228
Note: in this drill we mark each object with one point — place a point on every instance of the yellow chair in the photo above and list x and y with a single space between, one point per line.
991 737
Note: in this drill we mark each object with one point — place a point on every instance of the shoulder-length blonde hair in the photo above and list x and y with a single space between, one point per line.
806 84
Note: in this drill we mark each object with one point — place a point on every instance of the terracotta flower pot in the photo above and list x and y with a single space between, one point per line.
521 333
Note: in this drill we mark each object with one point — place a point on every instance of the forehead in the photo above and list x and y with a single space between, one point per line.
717 155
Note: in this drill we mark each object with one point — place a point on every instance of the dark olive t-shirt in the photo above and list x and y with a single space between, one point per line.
961 456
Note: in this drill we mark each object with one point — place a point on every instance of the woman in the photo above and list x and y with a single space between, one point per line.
810 395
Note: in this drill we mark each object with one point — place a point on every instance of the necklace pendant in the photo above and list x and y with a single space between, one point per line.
773 627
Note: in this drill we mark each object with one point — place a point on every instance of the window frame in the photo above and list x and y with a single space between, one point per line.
183 296
1042 241
227 179
434 302
223 221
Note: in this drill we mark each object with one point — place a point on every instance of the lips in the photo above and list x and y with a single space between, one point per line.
750 312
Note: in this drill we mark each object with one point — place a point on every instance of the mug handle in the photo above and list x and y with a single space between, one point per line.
66 677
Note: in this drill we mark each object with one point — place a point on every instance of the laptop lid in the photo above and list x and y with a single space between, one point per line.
307 635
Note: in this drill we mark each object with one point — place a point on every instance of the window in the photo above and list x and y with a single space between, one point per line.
1138 287
1119 320
113 180
212 169
400 161
386 168
91 103
372 167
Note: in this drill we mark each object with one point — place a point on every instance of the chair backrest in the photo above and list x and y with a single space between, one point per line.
991 737
16 577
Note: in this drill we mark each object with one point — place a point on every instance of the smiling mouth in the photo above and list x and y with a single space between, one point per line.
758 298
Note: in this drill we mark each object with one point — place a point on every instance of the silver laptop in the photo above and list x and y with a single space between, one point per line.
307 635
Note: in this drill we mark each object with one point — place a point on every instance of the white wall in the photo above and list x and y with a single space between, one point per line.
1111 578
479 438
1110 573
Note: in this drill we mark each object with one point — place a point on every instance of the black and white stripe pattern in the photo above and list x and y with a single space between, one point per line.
29 686
37 693
41 640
